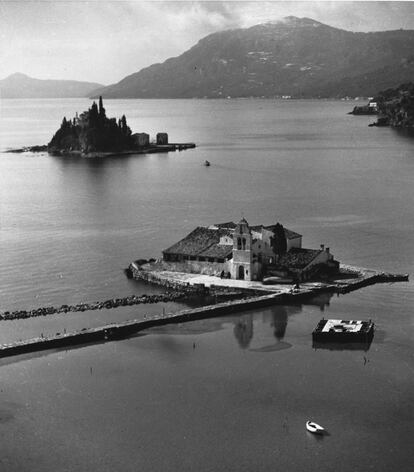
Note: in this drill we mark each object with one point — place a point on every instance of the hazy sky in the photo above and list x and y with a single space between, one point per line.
103 41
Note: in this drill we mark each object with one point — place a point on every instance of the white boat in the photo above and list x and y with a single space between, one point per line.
314 428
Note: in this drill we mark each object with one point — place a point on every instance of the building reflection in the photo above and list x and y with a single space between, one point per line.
276 317
278 321
243 330
322 300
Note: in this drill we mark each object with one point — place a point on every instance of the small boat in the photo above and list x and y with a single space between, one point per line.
314 428
207 163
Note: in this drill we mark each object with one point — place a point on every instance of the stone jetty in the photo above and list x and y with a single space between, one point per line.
122 330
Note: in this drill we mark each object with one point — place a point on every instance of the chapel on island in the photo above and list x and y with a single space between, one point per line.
244 252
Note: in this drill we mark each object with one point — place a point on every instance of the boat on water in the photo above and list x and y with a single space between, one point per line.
314 428
207 163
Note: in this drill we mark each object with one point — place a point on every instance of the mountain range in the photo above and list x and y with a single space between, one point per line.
298 57
22 86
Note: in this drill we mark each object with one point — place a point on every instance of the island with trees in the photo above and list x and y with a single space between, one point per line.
93 134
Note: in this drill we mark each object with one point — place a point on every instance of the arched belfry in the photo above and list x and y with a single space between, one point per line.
242 251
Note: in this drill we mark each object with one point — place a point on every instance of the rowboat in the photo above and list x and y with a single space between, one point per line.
314 428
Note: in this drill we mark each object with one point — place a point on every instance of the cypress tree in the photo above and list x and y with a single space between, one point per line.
101 108
279 242
124 124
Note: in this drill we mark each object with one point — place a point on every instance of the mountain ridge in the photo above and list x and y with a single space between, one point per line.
20 85
299 57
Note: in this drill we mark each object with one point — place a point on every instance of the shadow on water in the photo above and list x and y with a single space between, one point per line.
46 352
317 437
407 133
364 346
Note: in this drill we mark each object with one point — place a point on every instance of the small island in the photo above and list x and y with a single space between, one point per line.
93 134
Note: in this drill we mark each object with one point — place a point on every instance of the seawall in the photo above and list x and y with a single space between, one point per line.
357 278
254 301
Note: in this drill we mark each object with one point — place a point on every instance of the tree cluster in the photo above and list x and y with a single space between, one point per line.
91 132
396 106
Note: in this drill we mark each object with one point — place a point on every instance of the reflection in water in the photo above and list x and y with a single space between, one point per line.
405 132
277 318
279 346
321 300
342 346
279 323
243 330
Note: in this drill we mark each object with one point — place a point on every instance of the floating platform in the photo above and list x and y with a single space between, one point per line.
354 331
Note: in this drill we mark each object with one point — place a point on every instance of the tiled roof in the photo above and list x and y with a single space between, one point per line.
202 241
289 233
230 224
298 258
205 241
218 250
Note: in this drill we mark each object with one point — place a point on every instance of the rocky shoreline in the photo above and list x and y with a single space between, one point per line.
154 148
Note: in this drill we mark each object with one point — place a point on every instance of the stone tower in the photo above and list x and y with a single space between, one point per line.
242 252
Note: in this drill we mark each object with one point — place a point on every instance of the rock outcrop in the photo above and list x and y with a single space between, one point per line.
364 110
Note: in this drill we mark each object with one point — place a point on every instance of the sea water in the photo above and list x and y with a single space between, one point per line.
231 393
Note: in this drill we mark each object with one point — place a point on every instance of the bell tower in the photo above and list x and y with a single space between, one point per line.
242 252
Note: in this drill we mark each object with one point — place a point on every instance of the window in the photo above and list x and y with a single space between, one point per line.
239 243
244 243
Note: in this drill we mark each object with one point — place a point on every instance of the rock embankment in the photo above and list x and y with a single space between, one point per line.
40 148
171 296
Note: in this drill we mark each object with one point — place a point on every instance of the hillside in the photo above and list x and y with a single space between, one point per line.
22 86
396 106
298 57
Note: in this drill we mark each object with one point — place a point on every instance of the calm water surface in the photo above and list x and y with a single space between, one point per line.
228 394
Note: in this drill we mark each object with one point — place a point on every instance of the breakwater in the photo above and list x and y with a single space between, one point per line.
366 277
107 304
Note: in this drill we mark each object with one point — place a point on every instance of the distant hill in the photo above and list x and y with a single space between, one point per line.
297 56
22 86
